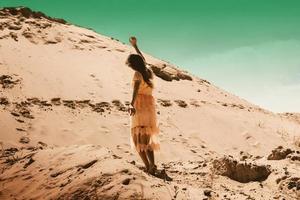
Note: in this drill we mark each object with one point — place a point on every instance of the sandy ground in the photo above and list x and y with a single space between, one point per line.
64 128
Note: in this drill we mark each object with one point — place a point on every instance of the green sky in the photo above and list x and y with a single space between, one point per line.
248 47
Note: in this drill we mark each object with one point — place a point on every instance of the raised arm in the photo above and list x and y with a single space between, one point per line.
133 42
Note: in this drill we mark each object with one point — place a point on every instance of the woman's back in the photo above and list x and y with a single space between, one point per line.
144 88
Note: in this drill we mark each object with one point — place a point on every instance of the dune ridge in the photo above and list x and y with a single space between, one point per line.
64 129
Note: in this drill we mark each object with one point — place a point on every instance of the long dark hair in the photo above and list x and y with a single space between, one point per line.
137 63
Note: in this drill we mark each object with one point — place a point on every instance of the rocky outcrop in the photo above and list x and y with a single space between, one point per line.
279 153
4 101
7 81
241 171
168 73
27 13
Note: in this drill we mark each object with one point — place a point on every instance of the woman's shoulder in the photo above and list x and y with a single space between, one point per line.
149 70
137 76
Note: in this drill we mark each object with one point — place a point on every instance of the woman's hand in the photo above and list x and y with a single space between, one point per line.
131 110
133 41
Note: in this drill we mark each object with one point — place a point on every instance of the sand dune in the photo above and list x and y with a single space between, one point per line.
64 128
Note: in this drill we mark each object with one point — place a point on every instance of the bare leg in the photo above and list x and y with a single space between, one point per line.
145 159
150 155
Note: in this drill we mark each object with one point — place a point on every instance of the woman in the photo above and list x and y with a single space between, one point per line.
144 128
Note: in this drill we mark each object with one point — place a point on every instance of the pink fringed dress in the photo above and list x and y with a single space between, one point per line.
144 127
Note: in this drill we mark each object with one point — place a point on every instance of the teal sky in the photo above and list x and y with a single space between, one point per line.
248 47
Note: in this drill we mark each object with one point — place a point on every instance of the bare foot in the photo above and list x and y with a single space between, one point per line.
152 169
163 175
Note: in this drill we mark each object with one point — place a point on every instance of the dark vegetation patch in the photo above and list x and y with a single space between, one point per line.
28 13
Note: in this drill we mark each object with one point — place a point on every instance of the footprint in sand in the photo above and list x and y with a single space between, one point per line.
103 129
250 139
97 80
184 141
66 129
92 94
247 136
194 103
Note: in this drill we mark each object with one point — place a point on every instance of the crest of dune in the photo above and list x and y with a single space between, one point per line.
64 126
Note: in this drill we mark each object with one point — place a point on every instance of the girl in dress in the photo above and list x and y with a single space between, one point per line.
144 128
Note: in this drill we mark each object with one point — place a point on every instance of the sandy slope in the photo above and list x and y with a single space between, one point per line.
63 98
